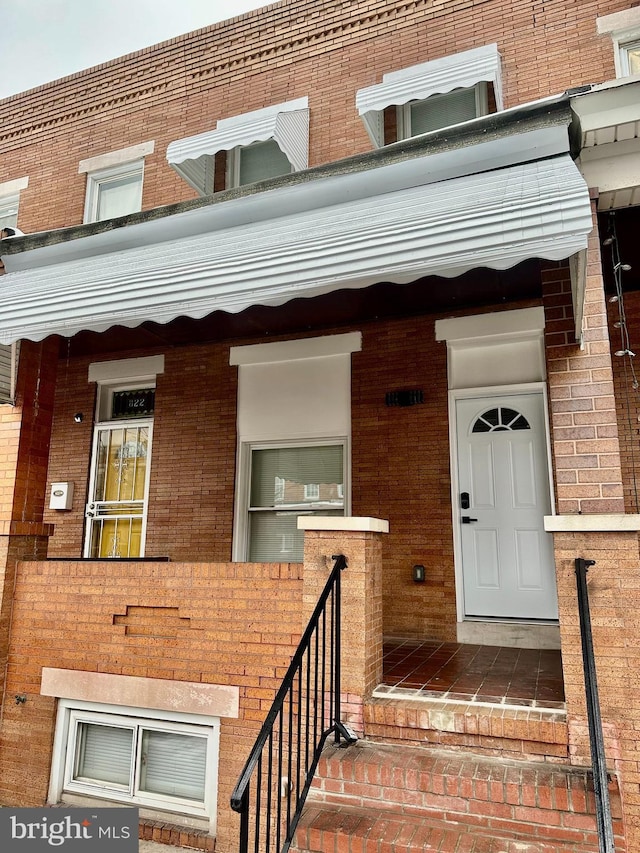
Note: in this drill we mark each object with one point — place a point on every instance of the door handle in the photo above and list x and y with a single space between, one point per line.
467 520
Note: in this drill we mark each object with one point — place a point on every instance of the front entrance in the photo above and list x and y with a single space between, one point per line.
503 484
118 489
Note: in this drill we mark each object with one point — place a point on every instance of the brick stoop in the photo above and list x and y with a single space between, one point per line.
511 732
391 798
348 829
174 835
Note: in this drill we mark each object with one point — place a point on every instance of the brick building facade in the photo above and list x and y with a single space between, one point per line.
352 248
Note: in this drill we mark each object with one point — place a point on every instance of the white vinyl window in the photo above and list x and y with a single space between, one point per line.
9 211
630 58
624 29
440 111
286 482
114 192
140 760
257 162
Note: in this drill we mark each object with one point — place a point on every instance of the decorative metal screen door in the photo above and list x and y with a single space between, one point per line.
118 490
508 566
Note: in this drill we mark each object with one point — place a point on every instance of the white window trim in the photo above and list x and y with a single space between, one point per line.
7 202
243 492
404 111
96 180
623 54
64 744
624 30
10 194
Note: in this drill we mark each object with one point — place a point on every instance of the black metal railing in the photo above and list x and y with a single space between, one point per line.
596 739
276 778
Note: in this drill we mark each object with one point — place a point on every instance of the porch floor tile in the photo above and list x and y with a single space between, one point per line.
492 675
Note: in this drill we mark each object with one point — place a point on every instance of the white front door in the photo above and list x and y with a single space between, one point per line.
507 557
118 490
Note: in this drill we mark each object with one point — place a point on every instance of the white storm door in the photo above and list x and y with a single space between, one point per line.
116 512
507 557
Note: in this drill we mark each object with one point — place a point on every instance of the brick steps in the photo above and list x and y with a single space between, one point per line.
458 800
518 733
349 829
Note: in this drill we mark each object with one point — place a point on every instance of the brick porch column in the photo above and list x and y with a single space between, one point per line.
360 540
591 524
25 431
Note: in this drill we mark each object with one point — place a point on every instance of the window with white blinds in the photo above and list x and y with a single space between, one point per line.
445 110
173 764
287 482
141 761
104 754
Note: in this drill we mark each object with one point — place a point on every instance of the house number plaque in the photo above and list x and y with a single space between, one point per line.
133 404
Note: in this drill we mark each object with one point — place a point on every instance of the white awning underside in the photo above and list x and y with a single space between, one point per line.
460 71
287 124
494 219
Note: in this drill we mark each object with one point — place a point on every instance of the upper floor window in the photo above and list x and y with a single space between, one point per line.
244 149
8 212
256 162
114 182
10 200
630 58
624 30
442 111
432 95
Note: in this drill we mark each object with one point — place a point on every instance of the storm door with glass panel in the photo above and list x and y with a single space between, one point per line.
119 483
287 482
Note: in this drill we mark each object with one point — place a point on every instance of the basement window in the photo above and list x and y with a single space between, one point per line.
139 757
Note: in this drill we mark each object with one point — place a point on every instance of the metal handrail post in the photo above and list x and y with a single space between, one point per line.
596 738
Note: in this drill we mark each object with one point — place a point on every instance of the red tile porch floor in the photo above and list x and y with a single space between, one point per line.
456 672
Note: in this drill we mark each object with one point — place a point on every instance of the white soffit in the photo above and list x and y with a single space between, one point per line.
460 71
287 124
609 120
494 219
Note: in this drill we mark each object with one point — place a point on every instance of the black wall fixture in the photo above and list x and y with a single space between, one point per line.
404 398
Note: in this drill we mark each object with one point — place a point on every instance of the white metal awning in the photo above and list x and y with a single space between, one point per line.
460 71
492 219
287 124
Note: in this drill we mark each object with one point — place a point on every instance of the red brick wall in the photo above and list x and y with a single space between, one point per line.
326 51
628 398
400 460
249 617
581 394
